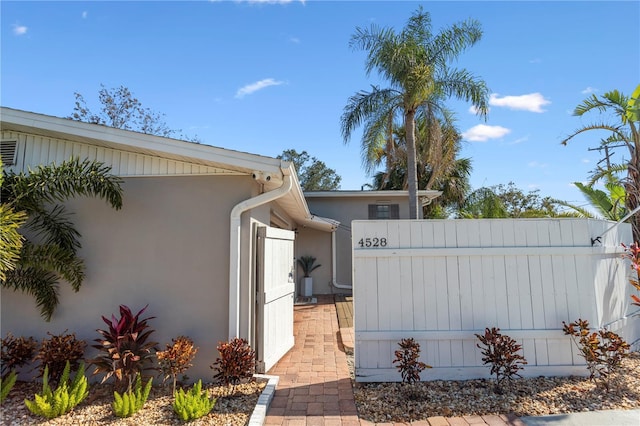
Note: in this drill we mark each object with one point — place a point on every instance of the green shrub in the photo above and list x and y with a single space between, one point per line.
131 402
16 352
603 350
501 352
56 351
192 404
67 395
237 361
7 384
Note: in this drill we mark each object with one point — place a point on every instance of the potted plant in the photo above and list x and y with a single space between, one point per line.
307 263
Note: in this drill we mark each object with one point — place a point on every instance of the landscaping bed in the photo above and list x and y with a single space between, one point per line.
233 407
398 402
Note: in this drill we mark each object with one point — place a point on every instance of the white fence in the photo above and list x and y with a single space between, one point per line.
442 281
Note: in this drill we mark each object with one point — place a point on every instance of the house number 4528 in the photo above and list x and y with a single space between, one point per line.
372 242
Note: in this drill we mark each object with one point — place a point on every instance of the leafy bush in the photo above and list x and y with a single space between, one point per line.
407 359
131 402
237 361
176 359
67 395
193 404
16 352
603 350
124 348
56 351
7 384
501 352
632 253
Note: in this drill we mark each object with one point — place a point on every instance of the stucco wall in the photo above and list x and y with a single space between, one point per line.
168 247
344 210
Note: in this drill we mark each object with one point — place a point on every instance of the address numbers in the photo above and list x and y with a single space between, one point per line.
372 242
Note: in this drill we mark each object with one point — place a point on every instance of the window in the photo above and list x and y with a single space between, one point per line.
384 211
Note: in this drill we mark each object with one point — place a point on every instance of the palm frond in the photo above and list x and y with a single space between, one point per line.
41 284
50 184
58 260
55 228
10 239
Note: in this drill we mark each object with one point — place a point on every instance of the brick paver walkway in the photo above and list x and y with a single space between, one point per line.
315 388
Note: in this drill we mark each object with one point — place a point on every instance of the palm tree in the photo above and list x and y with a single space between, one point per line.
416 64
609 205
624 132
50 245
438 166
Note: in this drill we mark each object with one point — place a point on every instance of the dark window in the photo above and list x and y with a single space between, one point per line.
384 211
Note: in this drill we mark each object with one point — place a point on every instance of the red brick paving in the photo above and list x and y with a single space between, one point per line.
315 388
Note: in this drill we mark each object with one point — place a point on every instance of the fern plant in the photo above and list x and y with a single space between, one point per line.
193 404
7 384
54 403
131 402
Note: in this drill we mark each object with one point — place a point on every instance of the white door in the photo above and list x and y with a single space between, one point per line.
276 288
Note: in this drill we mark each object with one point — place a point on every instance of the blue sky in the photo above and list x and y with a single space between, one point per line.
262 77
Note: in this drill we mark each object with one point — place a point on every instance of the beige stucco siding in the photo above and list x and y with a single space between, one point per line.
344 210
168 247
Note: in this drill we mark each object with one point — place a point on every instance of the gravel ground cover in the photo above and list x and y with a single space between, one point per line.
398 402
230 410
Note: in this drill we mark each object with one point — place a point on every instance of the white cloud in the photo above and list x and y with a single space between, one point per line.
520 140
589 90
294 40
258 85
19 29
474 110
535 61
531 102
85 14
482 133
585 161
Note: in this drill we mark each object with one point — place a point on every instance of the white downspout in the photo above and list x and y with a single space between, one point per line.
234 249
334 256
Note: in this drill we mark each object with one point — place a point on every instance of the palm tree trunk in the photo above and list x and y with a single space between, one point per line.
412 171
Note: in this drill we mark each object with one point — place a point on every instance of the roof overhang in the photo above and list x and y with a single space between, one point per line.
425 196
267 171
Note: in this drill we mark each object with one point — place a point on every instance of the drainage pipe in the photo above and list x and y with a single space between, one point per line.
334 257
235 246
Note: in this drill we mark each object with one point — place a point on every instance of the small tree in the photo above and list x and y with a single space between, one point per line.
120 109
314 174
407 358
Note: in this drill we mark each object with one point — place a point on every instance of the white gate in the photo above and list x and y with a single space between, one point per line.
443 281
276 288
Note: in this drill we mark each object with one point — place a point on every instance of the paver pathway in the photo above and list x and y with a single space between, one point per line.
315 387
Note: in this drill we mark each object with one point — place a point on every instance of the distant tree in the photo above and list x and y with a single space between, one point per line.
314 174
502 201
121 110
50 242
623 131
